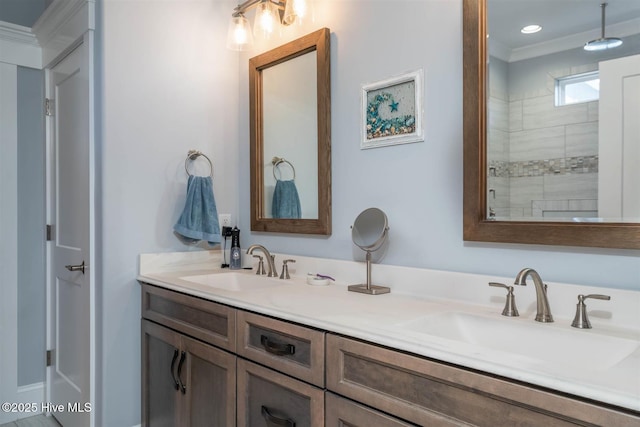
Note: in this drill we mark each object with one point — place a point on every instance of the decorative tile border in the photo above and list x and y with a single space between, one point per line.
561 166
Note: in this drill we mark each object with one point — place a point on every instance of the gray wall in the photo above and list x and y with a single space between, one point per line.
31 228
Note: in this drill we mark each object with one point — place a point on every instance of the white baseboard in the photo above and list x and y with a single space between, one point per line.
28 394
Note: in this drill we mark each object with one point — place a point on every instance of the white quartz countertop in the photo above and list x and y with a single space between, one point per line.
608 371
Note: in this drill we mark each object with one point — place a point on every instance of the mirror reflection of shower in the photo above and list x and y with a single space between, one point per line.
369 232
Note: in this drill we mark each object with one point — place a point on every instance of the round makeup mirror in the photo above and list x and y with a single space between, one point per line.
369 232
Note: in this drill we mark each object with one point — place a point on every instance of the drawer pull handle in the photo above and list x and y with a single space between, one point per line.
173 365
275 348
273 420
183 387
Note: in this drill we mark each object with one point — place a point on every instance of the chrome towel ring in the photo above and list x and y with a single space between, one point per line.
276 161
194 154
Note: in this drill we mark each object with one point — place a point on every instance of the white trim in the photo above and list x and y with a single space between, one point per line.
93 258
17 33
64 26
61 25
19 46
31 393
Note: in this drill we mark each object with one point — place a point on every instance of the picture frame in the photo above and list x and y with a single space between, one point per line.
391 111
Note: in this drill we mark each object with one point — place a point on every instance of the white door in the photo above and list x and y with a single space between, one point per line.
71 292
619 139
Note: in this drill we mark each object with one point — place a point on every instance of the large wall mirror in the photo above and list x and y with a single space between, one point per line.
290 114
551 130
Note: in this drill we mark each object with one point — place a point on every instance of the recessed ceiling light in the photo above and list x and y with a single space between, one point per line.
530 29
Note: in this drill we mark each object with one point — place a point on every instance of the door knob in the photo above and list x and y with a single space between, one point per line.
79 267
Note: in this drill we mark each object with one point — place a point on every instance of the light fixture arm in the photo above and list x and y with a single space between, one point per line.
243 7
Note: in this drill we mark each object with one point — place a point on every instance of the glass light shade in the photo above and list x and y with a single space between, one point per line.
295 11
266 20
239 35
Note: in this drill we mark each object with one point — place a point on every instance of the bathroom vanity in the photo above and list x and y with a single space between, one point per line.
232 348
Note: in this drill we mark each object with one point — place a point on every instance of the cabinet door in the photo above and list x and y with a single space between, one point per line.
209 386
268 398
160 395
346 413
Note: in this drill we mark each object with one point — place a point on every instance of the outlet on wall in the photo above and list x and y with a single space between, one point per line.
224 220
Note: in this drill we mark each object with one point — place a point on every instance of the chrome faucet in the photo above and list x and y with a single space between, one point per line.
270 263
544 311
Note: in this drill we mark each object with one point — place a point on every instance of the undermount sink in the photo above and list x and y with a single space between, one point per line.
529 341
236 282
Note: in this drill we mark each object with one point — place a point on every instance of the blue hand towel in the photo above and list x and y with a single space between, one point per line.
286 203
199 219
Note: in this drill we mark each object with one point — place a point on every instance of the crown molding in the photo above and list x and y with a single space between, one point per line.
621 29
17 34
62 24
19 46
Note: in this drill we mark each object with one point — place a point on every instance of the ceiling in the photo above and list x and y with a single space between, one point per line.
22 12
559 19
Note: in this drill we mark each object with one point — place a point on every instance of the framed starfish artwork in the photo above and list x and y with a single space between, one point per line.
392 111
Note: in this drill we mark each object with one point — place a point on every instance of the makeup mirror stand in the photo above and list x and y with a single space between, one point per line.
369 232
368 288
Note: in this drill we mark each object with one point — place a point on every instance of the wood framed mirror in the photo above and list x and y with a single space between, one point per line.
290 136
477 226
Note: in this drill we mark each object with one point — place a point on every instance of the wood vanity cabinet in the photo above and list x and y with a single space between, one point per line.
207 364
186 382
427 392
279 377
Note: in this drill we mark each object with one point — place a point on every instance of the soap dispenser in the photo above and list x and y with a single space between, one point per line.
235 257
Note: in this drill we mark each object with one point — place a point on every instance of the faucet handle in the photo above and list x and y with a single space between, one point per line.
260 270
510 309
581 320
285 269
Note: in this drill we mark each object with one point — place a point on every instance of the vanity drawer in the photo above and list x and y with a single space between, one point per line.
345 413
266 397
427 392
289 348
205 320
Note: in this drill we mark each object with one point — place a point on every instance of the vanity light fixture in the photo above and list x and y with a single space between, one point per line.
266 19
269 15
603 42
531 29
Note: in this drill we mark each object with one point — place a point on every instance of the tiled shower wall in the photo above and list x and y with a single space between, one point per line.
551 168
498 192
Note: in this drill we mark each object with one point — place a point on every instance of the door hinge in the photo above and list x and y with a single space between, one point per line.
48 107
49 232
49 357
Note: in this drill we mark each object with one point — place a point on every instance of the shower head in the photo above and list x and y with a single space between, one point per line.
603 42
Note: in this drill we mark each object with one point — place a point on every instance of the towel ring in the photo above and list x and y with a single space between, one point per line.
194 154
276 161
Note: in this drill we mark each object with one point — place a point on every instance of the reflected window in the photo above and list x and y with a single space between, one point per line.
577 88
